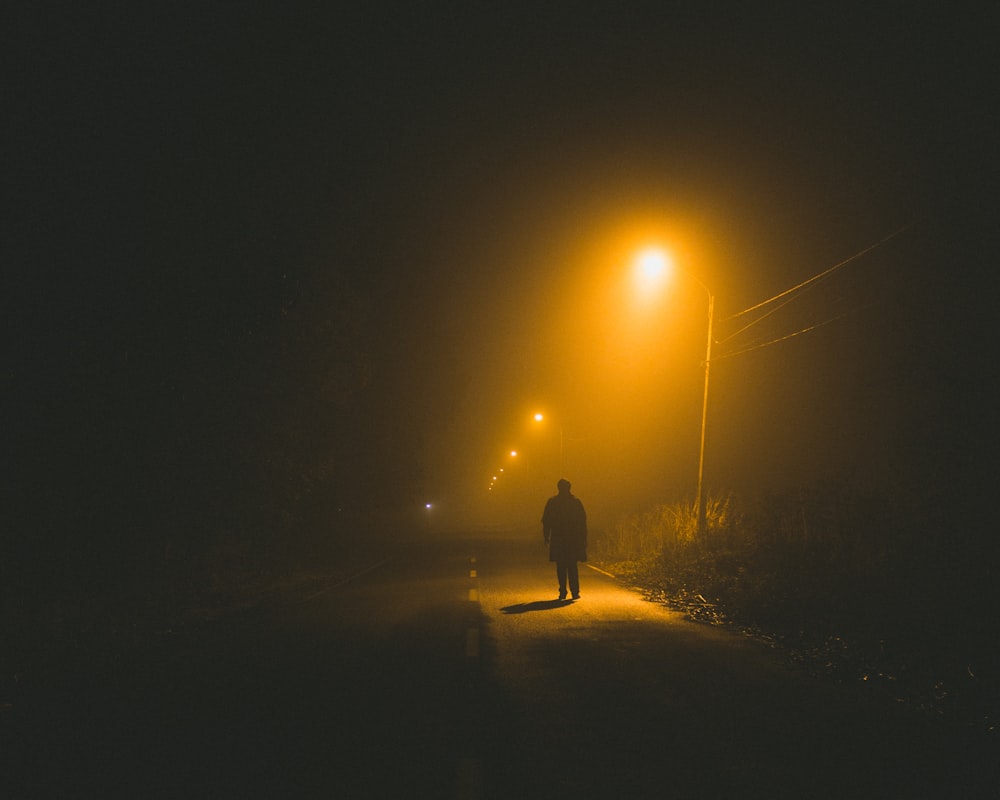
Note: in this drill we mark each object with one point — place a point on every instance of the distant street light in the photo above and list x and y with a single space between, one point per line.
527 464
539 417
651 268
514 454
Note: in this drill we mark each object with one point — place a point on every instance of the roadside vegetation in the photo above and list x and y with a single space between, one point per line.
83 608
884 594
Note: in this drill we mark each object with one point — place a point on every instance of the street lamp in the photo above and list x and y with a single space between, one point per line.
704 411
518 455
540 417
651 269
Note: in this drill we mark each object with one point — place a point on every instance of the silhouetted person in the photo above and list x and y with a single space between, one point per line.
564 528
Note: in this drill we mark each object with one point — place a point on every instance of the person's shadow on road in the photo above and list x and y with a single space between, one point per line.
537 605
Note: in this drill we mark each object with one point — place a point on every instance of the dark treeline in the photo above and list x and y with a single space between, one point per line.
194 363
147 439
187 379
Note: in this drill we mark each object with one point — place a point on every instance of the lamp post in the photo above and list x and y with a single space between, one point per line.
540 417
517 455
652 265
704 413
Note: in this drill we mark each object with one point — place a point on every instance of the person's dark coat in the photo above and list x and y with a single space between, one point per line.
565 525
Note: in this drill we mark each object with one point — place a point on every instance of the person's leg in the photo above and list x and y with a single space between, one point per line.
561 576
573 573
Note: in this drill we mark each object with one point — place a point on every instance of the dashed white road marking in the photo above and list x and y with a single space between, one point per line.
469 770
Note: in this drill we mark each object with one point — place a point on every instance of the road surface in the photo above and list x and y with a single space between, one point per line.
449 670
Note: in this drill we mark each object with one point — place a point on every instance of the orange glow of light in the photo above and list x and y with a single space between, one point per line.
539 417
653 266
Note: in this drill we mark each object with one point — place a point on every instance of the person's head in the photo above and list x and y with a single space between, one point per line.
563 486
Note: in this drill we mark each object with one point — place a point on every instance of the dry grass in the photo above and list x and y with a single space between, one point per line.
851 584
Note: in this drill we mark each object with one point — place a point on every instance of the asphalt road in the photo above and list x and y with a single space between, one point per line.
450 671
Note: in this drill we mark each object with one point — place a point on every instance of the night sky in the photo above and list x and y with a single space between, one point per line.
356 245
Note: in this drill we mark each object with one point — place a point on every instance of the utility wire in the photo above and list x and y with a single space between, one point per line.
822 274
751 348
763 316
805 285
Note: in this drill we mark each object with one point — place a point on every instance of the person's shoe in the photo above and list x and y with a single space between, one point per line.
576 597
562 595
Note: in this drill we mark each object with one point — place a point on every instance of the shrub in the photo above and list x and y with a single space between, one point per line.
823 557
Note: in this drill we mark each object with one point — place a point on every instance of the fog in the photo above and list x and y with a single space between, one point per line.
354 253
851 379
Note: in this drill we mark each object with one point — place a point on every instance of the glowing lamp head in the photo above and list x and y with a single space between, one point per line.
652 268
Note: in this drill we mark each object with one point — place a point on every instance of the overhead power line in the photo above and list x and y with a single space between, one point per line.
789 295
758 346
825 272
762 317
